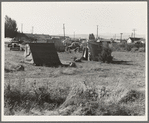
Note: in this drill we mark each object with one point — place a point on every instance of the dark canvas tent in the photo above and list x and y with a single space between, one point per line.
41 54
94 48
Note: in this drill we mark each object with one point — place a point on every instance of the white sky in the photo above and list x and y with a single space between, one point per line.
79 17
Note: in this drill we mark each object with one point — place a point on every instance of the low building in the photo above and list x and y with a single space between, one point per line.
134 40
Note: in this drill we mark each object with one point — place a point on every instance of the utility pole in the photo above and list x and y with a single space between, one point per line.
32 29
74 35
134 33
97 31
115 36
64 30
121 36
21 27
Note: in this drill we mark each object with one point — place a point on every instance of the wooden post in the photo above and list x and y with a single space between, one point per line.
121 36
134 33
21 27
97 31
64 30
32 29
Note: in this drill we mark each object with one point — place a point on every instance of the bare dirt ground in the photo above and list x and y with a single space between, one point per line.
125 75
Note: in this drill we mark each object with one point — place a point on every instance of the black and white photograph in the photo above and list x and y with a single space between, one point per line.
74 61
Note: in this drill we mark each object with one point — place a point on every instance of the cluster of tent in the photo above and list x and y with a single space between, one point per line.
46 54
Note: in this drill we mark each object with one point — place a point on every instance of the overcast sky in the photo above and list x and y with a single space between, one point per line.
79 17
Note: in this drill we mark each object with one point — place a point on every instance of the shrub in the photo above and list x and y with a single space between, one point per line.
126 47
138 45
115 47
37 97
134 49
130 96
105 55
142 49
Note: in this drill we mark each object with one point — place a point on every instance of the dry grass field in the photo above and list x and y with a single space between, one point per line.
92 88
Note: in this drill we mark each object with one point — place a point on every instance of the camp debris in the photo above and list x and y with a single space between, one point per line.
41 54
92 50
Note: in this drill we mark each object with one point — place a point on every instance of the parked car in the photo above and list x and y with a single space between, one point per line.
9 44
14 46
12 41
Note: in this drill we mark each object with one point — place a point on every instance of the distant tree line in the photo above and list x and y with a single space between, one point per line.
10 27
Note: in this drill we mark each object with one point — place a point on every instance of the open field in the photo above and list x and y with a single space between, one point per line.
123 82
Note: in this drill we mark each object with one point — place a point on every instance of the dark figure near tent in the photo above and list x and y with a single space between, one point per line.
85 54
66 48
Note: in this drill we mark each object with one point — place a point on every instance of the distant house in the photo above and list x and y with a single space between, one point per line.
134 40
